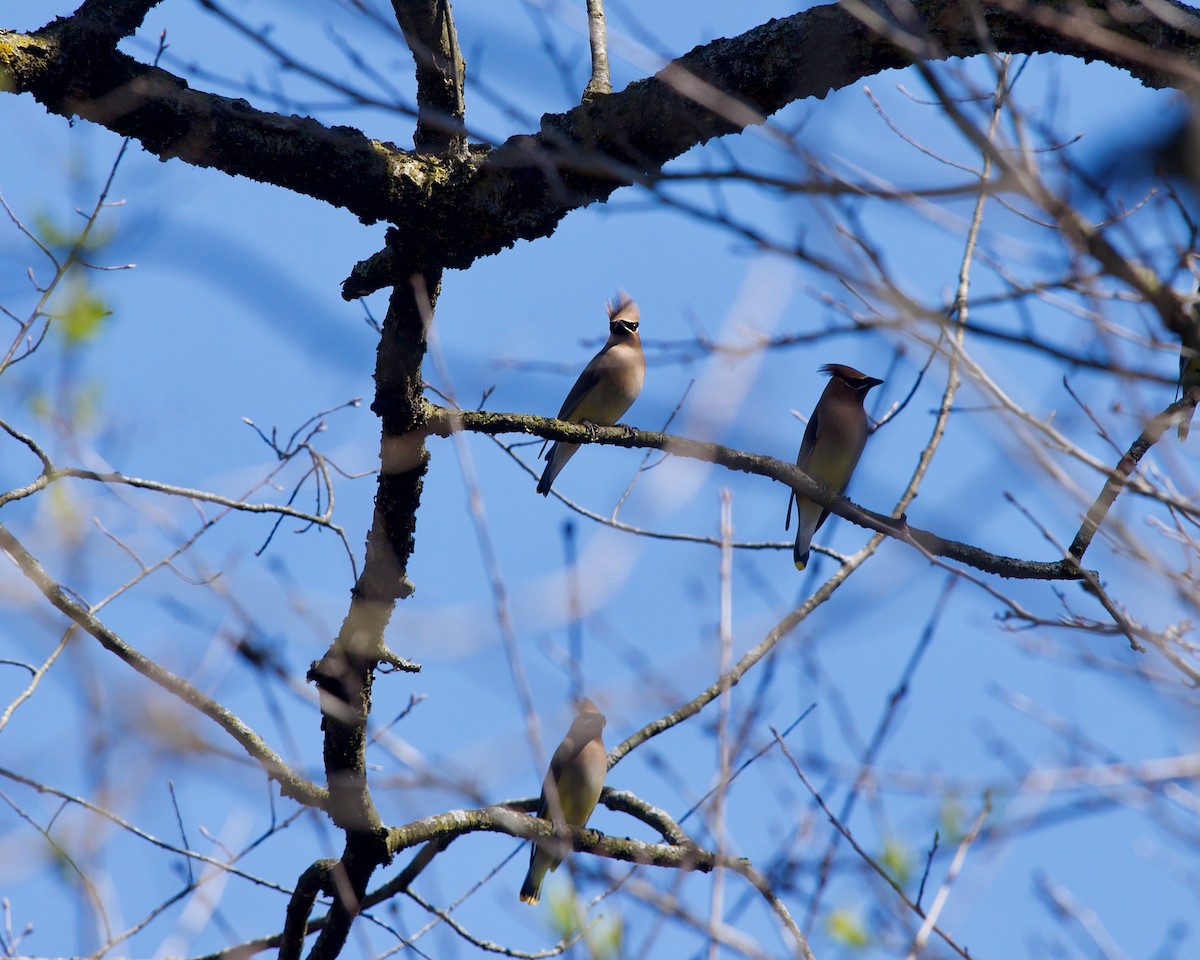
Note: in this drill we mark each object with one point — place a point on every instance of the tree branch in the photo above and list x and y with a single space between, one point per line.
429 31
582 156
442 422
599 84
113 19
471 206
72 74
1121 472
316 879
344 676
685 856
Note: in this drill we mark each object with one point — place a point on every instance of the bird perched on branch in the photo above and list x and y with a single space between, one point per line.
570 791
833 442
607 387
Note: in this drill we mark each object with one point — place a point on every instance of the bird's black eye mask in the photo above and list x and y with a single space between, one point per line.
629 326
862 384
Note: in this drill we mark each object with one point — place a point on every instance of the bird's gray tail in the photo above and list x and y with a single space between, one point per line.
548 475
556 459
800 551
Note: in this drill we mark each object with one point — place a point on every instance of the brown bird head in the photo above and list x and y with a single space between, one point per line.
623 318
588 719
842 376
586 705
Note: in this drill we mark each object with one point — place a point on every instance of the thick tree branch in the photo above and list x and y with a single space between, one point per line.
318 878
72 71
442 422
349 878
345 674
429 31
471 206
582 156
113 19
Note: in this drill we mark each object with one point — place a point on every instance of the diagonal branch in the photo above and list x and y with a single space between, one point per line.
429 31
523 188
443 827
600 83
722 87
291 783
1119 477
114 19
443 422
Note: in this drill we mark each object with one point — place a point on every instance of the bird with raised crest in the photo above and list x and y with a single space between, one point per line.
833 442
570 790
607 387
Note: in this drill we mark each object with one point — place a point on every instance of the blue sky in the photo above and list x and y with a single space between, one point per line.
233 311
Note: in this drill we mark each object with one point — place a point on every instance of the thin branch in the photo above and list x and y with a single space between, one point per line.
866 762
599 84
291 783
490 946
866 857
943 894
36 679
1118 479
748 660
138 832
725 640
203 496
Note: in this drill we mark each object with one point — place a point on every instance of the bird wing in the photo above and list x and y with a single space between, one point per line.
809 441
567 751
806 446
583 386
585 729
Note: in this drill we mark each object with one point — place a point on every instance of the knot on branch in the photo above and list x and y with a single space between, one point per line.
342 675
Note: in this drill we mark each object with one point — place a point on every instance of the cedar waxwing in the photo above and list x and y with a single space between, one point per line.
607 387
571 789
833 442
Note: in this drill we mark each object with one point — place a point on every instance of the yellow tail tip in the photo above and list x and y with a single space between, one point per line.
530 898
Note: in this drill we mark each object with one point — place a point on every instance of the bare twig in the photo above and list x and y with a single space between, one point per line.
866 857
943 894
38 673
291 783
1118 479
725 640
599 83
